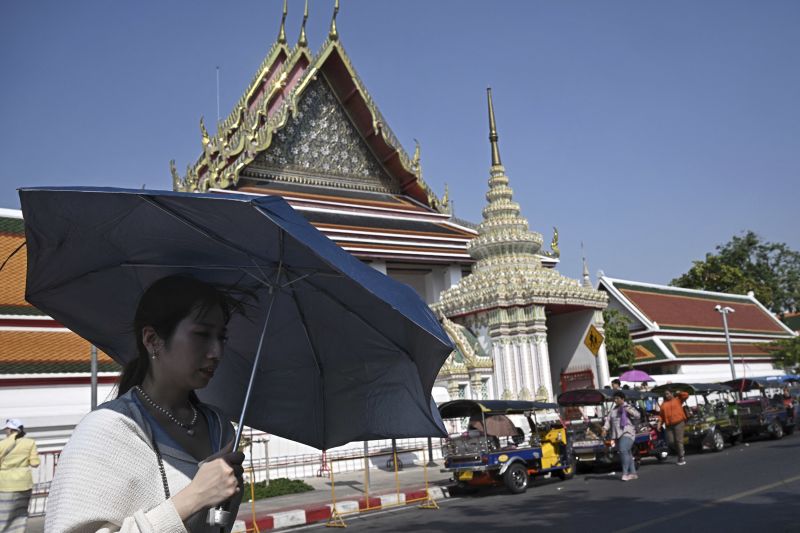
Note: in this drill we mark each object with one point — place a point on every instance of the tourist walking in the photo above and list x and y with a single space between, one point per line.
621 423
155 458
17 455
673 417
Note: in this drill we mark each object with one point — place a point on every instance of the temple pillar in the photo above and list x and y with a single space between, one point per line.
601 361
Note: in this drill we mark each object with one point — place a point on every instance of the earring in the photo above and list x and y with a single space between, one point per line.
154 355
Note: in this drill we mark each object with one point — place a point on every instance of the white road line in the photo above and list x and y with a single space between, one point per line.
733 497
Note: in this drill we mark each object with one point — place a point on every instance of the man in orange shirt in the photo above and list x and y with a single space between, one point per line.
673 417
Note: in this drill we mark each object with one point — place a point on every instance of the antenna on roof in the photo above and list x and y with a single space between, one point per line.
302 40
333 35
282 31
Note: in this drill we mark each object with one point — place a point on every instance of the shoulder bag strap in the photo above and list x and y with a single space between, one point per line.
8 451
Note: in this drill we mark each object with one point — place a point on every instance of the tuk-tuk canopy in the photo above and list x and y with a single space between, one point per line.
464 408
749 384
693 388
596 396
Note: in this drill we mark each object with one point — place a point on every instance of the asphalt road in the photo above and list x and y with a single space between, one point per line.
752 488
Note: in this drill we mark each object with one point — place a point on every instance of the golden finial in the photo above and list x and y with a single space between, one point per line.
204 132
415 160
303 41
333 35
446 197
493 131
282 32
176 179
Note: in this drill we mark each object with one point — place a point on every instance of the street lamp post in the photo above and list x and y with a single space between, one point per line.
724 312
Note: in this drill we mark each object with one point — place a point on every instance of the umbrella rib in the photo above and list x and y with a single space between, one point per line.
315 355
202 231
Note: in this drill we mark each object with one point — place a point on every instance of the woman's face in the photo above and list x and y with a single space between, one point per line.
9 432
189 358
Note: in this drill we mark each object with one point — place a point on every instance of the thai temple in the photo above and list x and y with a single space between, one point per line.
307 129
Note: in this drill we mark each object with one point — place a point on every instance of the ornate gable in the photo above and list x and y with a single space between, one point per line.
372 160
319 145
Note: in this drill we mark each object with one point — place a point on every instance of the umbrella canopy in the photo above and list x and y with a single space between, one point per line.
635 376
349 354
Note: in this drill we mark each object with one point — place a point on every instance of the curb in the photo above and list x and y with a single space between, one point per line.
322 512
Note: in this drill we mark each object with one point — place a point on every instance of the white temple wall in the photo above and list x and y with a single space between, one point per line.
50 424
434 285
565 334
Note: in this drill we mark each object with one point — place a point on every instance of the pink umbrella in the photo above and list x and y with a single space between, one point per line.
635 376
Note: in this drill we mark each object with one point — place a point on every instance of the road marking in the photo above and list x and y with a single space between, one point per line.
726 499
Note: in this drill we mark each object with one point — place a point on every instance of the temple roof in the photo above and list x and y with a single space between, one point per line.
508 271
33 343
671 309
322 94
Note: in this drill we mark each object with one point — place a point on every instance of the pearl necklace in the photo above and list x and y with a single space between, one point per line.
188 427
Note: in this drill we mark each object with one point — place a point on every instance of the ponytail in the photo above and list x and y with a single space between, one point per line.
133 374
20 433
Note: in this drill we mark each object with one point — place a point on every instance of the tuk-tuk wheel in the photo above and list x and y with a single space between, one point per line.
662 456
776 430
568 472
516 478
717 441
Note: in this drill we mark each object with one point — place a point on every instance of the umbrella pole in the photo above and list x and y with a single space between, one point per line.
220 516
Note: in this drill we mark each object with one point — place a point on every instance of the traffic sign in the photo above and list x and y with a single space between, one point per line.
594 339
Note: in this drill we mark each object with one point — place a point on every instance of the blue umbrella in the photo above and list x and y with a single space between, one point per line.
328 351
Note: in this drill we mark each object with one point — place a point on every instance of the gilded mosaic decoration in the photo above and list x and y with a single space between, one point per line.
319 139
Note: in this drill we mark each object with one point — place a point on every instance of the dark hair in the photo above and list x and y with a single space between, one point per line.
20 433
616 381
619 394
162 306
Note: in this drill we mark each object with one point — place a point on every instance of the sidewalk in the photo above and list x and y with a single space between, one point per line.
350 492
315 506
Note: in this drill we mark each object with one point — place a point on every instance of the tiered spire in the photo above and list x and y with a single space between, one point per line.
508 272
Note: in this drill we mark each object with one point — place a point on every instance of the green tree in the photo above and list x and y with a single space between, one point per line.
787 352
746 263
619 345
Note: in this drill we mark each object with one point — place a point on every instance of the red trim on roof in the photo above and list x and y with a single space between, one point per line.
55 380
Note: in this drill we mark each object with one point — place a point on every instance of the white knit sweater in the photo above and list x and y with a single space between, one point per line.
107 478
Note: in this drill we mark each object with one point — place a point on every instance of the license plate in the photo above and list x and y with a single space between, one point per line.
465 476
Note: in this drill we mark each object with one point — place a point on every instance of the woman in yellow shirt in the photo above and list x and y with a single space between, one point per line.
17 455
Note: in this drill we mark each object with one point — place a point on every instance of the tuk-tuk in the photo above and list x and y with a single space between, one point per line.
758 413
712 420
486 445
584 411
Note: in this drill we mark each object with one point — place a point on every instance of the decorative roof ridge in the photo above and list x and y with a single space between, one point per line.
614 281
379 123
226 172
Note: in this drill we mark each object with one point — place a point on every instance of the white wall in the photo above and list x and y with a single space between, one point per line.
50 412
565 334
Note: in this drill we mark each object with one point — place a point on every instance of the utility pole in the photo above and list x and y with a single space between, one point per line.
724 312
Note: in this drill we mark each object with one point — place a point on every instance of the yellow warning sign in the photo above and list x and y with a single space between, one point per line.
593 340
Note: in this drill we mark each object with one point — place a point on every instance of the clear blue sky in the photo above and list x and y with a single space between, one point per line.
650 131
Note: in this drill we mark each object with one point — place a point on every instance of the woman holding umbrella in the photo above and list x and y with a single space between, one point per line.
155 458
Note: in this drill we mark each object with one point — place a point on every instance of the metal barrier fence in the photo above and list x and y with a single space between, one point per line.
376 455
413 451
338 514
42 476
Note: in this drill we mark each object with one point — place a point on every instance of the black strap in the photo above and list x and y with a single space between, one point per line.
161 468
